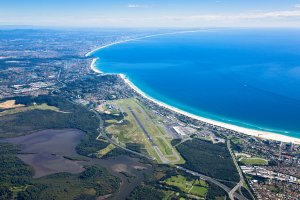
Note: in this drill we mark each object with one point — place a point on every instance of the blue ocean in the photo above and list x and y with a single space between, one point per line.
246 77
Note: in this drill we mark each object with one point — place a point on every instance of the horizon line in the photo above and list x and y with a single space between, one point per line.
142 28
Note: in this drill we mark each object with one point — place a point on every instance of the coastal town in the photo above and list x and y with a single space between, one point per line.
266 165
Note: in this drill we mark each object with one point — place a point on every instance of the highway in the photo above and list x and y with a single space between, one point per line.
212 180
242 181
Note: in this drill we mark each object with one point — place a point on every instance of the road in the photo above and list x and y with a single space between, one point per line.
212 180
242 181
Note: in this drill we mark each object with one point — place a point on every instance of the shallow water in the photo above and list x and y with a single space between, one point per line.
45 151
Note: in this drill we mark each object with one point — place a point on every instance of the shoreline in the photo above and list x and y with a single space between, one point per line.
93 66
251 132
247 131
138 38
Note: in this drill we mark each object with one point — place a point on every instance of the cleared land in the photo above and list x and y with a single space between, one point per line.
137 126
43 106
10 104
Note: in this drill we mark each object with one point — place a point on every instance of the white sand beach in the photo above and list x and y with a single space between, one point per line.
93 65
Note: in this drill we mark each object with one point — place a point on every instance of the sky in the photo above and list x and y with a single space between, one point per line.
155 13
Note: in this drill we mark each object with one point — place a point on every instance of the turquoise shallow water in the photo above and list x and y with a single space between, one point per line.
250 78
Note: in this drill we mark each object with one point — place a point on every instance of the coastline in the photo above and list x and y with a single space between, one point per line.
138 38
247 131
252 132
93 66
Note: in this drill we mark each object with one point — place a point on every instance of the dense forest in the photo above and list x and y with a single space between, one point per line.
13 172
93 182
146 192
213 160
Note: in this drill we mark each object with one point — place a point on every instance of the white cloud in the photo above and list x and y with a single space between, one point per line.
297 5
288 13
250 18
239 16
137 6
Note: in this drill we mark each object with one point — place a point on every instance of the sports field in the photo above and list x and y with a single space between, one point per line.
254 161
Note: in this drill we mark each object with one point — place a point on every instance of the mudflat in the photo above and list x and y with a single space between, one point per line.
46 150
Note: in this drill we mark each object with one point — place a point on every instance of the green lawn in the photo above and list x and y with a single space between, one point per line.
253 161
167 150
194 187
198 191
178 181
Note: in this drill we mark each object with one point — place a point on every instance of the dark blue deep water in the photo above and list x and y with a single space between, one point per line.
250 78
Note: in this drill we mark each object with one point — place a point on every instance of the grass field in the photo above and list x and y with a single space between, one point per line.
129 131
106 150
163 143
19 109
195 186
253 161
